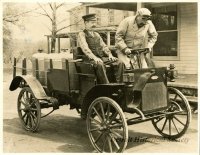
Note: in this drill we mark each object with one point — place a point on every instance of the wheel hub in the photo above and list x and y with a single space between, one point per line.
104 127
170 116
27 108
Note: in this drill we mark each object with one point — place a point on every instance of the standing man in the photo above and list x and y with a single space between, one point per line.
97 51
133 33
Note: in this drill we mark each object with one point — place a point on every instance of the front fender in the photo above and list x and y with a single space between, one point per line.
32 82
98 91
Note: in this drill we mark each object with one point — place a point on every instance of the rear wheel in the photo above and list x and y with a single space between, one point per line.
29 110
173 126
107 126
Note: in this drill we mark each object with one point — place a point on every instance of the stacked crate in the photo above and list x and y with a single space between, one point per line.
42 63
38 67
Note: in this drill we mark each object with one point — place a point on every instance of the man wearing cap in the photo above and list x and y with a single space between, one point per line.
97 51
133 33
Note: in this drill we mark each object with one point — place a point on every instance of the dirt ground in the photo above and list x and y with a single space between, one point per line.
64 131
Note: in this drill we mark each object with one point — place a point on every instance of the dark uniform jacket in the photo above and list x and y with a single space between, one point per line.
92 45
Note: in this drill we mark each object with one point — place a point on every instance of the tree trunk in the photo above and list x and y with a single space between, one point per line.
54 29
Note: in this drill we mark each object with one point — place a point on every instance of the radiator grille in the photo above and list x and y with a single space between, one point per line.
154 96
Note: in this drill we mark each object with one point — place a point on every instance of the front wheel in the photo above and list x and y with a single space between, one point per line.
178 116
106 126
29 110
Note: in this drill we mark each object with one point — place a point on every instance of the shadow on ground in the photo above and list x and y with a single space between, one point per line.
68 130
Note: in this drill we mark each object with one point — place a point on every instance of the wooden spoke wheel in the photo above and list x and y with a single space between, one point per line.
106 126
29 110
173 126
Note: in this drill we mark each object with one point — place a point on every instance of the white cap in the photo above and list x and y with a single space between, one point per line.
144 12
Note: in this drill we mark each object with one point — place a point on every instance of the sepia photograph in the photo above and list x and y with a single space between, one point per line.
100 77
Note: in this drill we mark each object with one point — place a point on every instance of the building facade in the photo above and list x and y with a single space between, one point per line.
176 24
177 42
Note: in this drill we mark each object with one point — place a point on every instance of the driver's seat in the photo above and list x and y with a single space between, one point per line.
78 54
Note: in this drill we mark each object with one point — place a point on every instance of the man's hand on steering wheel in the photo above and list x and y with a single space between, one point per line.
127 51
112 58
97 60
149 49
150 46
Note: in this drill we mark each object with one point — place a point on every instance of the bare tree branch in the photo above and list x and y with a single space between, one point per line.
60 5
62 21
42 14
11 21
75 15
50 6
62 28
20 14
45 12
67 26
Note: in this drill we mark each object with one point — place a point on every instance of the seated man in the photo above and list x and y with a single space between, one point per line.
97 51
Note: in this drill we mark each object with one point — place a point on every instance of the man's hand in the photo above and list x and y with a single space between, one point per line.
112 58
150 46
90 57
127 51
150 49
97 60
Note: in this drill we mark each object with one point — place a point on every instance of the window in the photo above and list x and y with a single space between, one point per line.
165 21
98 17
112 38
104 36
111 17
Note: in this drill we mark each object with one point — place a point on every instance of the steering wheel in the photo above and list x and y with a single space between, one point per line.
139 51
